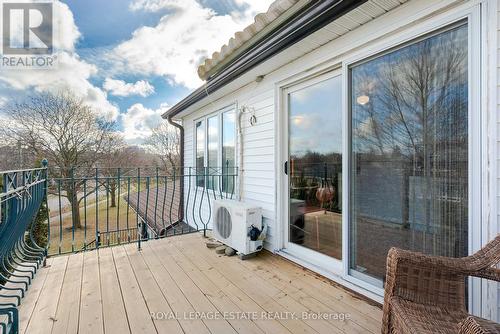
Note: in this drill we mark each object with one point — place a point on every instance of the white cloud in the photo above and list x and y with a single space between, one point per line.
66 33
252 8
3 101
181 40
122 88
70 73
156 5
139 121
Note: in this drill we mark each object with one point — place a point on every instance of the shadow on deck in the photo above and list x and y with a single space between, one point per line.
177 285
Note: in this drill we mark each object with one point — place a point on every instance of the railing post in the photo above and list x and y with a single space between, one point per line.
117 189
172 202
139 232
205 178
156 201
75 210
227 177
97 236
45 164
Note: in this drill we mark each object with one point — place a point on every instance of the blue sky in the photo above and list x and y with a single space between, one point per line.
132 59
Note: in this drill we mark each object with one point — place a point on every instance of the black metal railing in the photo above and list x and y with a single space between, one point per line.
22 195
99 207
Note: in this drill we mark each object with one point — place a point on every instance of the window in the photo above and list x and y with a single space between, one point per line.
228 151
200 153
409 152
213 151
219 149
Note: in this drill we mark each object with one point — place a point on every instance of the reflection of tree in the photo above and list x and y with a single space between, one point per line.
416 94
417 115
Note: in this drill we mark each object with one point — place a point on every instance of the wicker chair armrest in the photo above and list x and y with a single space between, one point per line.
474 325
489 273
403 263
471 265
420 260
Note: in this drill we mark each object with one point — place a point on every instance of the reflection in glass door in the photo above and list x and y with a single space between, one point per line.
314 166
409 172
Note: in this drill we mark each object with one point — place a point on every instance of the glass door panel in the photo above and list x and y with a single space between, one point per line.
409 161
315 167
213 152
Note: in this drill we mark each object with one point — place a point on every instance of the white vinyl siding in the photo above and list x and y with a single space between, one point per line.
258 152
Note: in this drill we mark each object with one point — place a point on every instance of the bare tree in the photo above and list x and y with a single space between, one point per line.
164 142
62 128
116 163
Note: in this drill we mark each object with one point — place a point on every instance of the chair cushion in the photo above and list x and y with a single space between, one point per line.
475 325
411 317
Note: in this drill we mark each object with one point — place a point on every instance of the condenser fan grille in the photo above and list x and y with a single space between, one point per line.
223 222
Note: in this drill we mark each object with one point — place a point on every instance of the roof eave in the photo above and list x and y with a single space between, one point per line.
256 38
311 18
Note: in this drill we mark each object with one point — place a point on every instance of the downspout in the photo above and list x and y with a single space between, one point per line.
181 167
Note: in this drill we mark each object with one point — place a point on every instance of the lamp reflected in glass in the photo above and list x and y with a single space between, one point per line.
363 99
297 120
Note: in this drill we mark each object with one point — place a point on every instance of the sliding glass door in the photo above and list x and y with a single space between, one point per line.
409 152
401 170
314 168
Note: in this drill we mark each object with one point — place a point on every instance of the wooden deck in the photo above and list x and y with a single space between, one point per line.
117 289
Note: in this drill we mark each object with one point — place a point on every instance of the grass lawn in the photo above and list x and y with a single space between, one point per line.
65 238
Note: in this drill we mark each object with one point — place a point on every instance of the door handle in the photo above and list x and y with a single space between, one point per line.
285 167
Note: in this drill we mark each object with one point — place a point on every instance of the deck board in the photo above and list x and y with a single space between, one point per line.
28 304
193 294
68 307
179 304
232 291
116 290
45 309
216 296
91 316
152 292
137 310
113 308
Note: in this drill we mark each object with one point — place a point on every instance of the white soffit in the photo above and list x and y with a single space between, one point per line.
350 21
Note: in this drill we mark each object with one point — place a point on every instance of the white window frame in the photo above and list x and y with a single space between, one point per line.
308 254
219 113
373 46
472 15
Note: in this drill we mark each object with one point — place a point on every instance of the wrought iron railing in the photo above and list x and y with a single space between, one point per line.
100 207
56 211
22 194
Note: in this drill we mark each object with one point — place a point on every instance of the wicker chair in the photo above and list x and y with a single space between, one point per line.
426 294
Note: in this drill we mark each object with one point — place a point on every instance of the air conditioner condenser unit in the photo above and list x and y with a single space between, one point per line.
239 226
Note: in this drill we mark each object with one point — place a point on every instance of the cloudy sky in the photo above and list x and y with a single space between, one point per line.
132 59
